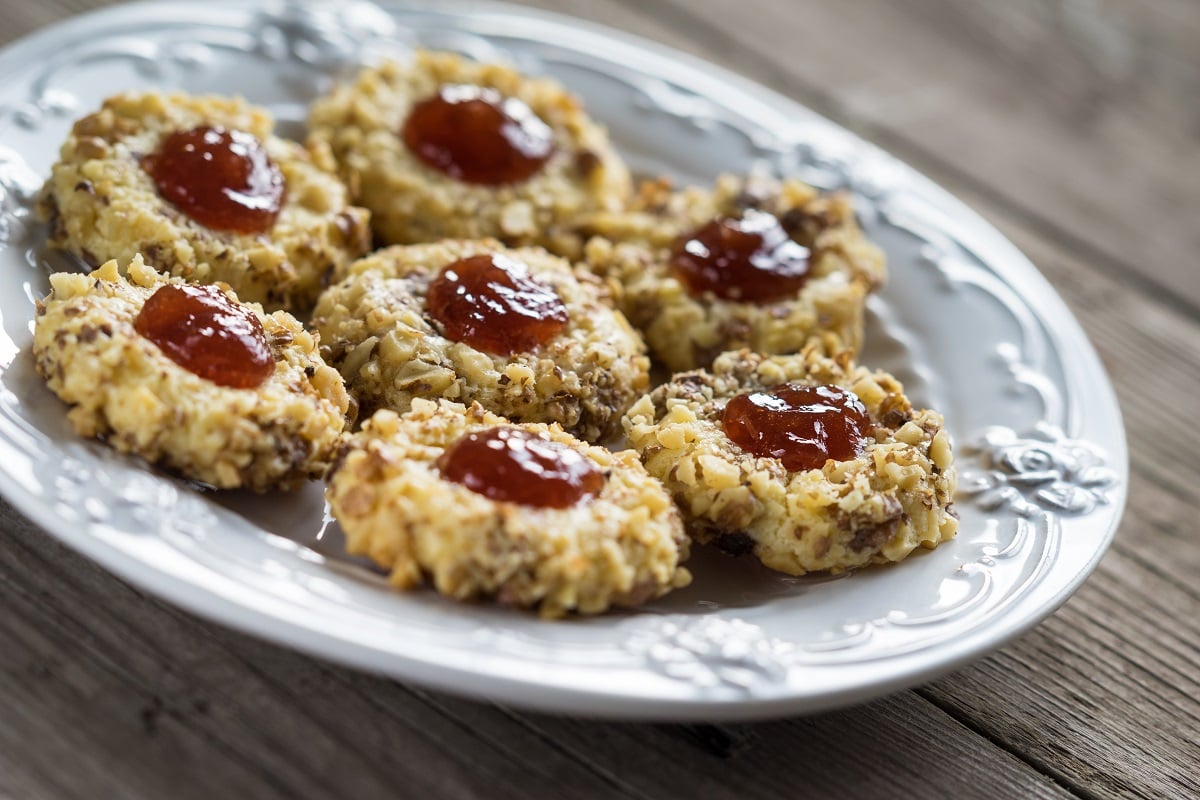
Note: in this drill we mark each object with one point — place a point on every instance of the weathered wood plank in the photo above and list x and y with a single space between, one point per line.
1102 695
135 695
1009 109
1082 120
1152 355
1095 53
1151 352
1113 714
896 747
1017 107
1044 106
142 699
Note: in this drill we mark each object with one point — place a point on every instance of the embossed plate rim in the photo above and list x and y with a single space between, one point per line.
713 666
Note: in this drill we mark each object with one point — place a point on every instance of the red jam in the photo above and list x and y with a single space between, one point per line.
492 303
748 258
203 331
514 466
802 426
476 135
221 178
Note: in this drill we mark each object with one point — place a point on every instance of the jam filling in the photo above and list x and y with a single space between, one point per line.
492 303
800 425
220 178
514 466
206 333
476 135
748 258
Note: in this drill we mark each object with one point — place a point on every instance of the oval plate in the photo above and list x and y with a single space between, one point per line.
966 322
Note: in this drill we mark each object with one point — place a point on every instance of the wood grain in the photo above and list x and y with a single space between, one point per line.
1009 109
134 695
1073 127
1120 715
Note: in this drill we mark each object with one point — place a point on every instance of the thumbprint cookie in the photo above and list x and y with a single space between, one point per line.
753 263
518 330
525 514
443 147
202 189
806 461
189 377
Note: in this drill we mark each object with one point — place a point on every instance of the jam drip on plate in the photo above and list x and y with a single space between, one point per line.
206 333
802 426
476 135
492 303
748 258
514 466
220 178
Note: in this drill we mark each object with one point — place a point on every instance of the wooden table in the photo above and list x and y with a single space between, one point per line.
1075 128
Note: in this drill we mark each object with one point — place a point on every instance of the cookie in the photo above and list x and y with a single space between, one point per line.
888 494
619 545
204 191
751 263
443 147
380 330
128 390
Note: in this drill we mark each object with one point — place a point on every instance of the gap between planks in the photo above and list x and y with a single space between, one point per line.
131 634
822 54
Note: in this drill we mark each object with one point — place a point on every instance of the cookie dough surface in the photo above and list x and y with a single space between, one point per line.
622 548
411 202
377 332
685 331
102 205
123 389
875 508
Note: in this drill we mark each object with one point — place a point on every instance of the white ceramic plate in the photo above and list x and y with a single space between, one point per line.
966 322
